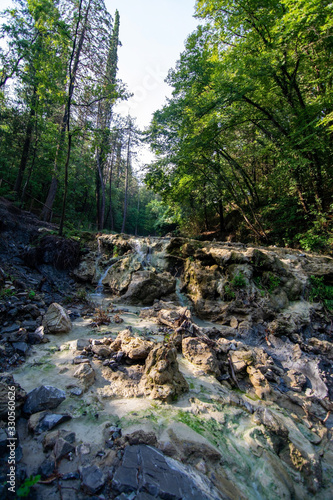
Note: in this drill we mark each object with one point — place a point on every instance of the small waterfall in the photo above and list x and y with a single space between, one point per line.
100 286
183 300
143 252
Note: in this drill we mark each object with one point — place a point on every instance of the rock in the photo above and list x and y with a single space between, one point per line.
259 382
162 378
42 398
117 343
45 421
322 347
136 348
47 468
240 360
92 479
146 470
76 391
56 320
21 348
62 448
266 417
147 286
102 350
233 322
78 360
282 326
295 380
199 353
20 335
37 337
85 374
173 317
141 437
50 438
278 300
81 344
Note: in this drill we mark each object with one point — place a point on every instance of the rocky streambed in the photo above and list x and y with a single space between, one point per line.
195 370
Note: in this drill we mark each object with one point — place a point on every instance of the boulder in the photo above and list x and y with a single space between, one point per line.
85 374
146 286
92 479
199 353
146 471
42 398
162 378
56 320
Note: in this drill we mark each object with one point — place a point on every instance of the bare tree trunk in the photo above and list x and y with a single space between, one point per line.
26 145
126 179
66 186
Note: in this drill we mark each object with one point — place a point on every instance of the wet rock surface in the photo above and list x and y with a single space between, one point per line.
146 470
156 403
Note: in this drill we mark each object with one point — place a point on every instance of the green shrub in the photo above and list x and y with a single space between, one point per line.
319 292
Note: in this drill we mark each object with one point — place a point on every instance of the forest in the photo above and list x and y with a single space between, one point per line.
243 148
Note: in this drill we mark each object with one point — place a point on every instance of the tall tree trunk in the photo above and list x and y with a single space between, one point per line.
221 216
126 179
62 220
27 142
138 213
101 196
73 68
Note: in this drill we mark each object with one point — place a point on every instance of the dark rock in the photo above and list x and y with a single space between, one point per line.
62 448
76 391
47 468
29 325
145 470
44 397
10 329
92 479
36 337
7 381
50 438
142 437
21 348
46 421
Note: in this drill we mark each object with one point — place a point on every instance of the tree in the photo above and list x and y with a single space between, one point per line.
249 113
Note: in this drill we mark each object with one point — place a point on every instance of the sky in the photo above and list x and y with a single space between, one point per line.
152 33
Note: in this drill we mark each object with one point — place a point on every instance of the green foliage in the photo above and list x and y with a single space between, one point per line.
229 294
115 251
31 294
6 292
319 292
238 281
24 490
247 126
267 282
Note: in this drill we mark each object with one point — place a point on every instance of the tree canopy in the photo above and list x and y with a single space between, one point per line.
248 129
